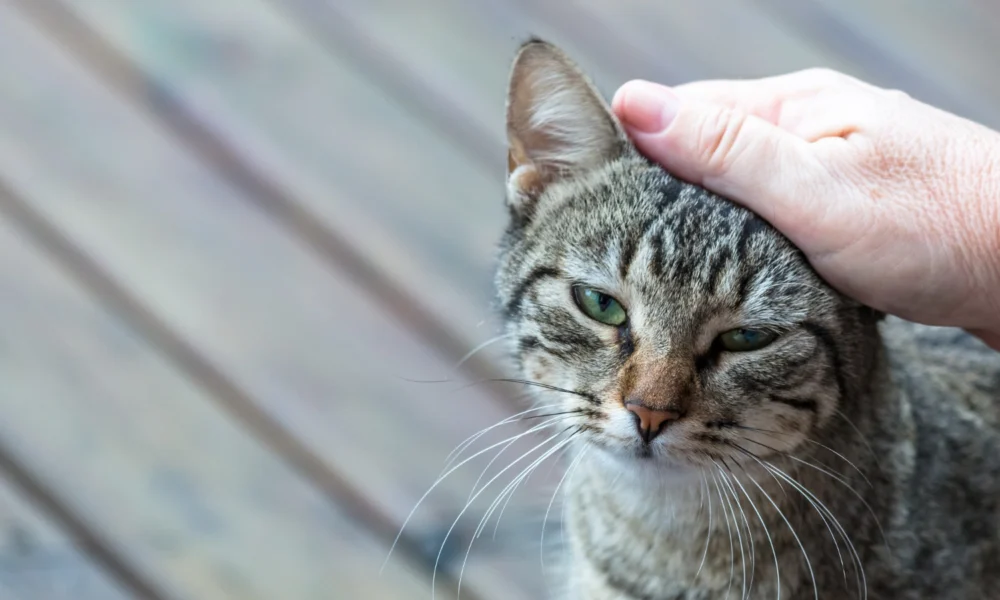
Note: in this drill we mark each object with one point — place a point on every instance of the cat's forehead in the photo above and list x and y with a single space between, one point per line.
631 204
670 249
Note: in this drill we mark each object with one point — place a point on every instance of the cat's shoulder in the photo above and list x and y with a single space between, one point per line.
940 345
946 366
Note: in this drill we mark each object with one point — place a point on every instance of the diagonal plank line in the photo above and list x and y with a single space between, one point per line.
674 63
154 98
334 29
99 550
227 393
823 27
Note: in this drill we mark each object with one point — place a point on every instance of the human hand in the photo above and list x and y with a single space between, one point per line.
894 202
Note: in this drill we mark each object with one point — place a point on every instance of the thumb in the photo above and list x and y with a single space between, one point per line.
723 148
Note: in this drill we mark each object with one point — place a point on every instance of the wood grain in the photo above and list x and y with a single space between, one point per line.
39 562
304 522
188 498
377 124
319 357
367 168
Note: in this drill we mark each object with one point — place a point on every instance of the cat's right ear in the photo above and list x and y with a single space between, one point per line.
558 125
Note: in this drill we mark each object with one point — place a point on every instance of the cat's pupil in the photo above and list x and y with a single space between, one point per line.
604 301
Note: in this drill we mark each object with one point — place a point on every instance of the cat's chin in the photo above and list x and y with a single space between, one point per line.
649 464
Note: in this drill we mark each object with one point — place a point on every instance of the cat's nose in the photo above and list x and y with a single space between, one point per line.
650 422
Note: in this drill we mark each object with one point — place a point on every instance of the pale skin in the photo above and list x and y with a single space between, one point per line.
894 202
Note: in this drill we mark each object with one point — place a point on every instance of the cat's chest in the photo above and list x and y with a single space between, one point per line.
703 550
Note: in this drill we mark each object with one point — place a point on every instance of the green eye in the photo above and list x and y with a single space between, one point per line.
599 306
746 340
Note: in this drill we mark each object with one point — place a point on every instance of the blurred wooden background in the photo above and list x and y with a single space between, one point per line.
233 232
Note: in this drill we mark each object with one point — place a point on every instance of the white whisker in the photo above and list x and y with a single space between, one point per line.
507 491
732 548
746 521
822 509
437 560
444 476
701 494
861 436
480 347
802 547
559 457
844 458
767 467
739 531
767 532
472 439
554 419
562 448
708 537
810 441
545 520
839 479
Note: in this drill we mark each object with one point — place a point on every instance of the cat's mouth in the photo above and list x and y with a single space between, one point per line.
681 447
661 452
642 437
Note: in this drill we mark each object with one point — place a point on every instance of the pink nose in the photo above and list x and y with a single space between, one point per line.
650 422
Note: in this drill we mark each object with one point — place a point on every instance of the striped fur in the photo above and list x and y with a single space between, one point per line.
890 427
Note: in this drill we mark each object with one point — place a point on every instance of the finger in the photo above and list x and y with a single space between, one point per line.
763 97
803 106
731 152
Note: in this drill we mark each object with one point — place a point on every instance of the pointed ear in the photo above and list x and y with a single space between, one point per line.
558 125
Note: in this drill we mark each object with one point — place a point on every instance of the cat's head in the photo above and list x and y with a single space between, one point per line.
683 328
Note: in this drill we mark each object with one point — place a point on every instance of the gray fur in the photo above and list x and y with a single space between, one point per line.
891 426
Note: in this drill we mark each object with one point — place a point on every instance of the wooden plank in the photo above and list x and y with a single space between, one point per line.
192 500
424 212
939 52
86 537
368 169
391 41
8 592
731 38
942 53
38 561
233 476
422 38
925 53
316 353
718 38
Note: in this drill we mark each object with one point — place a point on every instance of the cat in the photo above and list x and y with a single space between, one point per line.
737 427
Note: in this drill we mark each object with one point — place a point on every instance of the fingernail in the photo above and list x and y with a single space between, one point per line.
645 107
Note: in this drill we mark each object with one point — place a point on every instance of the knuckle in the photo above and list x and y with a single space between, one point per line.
719 139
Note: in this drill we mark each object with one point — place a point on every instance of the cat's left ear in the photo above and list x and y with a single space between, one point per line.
558 125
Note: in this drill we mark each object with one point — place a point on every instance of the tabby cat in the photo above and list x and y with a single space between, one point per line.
739 428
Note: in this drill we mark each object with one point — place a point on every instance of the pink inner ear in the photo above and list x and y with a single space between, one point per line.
516 154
